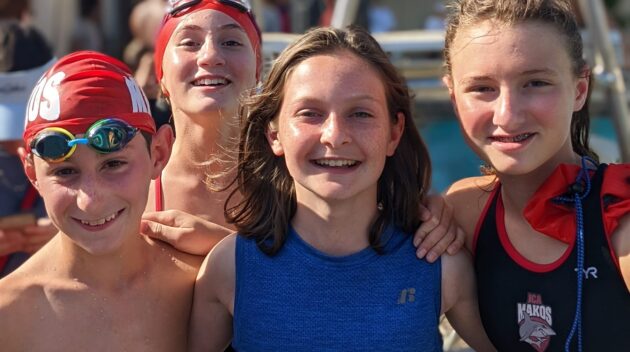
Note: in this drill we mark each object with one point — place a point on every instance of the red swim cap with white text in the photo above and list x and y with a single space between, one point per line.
82 88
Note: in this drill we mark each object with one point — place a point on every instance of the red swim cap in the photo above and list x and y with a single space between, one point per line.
242 17
82 88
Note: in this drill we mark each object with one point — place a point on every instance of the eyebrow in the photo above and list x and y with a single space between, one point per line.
473 79
547 71
313 98
194 27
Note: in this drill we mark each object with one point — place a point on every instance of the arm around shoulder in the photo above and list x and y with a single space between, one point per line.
459 300
213 301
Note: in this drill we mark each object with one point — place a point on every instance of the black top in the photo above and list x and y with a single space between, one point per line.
526 306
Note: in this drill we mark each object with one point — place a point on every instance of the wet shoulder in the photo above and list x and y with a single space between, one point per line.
168 256
21 293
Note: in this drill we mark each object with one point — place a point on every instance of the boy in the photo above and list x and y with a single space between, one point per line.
91 151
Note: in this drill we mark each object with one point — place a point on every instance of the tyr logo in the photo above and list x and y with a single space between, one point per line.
591 271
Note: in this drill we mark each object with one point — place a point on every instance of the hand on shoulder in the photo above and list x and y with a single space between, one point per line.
439 232
186 232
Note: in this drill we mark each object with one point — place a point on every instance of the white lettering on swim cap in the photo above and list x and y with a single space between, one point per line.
50 108
32 108
139 102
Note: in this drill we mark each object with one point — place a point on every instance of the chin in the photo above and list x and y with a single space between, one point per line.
515 168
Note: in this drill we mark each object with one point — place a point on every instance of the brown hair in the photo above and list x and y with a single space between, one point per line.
557 13
268 202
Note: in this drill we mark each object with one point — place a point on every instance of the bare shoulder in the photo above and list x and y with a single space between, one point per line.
471 188
21 294
217 276
15 289
220 262
457 277
468 198
180 261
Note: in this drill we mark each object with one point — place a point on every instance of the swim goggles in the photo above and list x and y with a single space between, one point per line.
178 6
55 144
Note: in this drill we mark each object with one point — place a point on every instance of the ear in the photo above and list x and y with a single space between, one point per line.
397 130
163 88
161 147
29 166
272 137
448 82
581 91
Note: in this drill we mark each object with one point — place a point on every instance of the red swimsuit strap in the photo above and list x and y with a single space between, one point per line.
27 203
158 194
3 261
29 199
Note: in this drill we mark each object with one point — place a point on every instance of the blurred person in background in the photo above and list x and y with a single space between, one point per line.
276 16
381 17
24 56
87 29
436 20
16 10
144 23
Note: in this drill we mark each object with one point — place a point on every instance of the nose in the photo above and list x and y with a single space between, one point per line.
508 110
335 131
210 53
90 195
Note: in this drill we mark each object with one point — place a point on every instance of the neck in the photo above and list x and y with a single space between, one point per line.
208 141
516 190
339 228
112 271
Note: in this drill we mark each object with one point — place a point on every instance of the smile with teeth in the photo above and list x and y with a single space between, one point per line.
335 162
99 221
212 82
513 139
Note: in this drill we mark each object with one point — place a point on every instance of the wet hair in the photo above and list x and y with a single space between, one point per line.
268 200
556 13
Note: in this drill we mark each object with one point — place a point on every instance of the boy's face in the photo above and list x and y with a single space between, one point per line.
97 199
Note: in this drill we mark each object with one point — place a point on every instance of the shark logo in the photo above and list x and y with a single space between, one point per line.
534 320
535 333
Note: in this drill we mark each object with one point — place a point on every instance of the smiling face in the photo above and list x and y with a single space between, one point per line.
208 63
514 91
334 129
96 199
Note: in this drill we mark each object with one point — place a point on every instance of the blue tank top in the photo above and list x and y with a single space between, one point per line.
304 300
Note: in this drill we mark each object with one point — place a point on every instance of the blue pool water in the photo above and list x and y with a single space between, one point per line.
453 160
